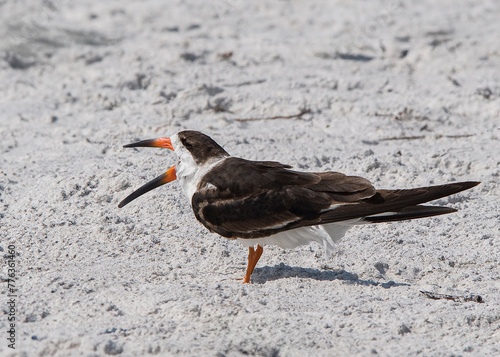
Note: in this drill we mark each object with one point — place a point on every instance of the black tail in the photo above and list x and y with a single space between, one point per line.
411 212
396 205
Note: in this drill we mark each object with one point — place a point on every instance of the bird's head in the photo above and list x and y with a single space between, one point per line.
193 150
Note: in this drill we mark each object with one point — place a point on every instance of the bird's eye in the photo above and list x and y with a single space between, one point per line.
187 145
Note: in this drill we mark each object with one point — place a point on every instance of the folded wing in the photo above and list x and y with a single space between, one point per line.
255 199
249 199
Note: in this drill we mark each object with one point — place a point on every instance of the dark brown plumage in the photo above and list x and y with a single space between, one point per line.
250 199
265 202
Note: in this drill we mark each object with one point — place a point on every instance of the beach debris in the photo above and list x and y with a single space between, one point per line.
456 298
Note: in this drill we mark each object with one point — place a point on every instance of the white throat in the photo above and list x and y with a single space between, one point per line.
189 174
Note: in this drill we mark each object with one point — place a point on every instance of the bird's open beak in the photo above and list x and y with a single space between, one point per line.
167 177
155 143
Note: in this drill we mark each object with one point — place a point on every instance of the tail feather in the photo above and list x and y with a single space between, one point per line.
398 204
411 212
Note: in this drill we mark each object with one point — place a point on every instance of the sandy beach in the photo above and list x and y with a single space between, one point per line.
405 94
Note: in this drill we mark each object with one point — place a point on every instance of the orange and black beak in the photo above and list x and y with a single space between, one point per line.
160 180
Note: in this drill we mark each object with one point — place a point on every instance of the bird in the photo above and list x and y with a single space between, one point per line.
259 203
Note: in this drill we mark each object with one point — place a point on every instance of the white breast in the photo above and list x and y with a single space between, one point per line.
188 173
189 179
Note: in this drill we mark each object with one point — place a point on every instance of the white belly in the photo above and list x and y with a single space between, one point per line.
326 235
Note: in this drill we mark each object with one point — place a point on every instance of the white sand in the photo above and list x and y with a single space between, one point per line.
80 79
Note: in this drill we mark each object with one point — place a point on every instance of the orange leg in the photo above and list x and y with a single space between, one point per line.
253 258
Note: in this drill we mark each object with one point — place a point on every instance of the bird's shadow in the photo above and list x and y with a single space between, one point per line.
283 271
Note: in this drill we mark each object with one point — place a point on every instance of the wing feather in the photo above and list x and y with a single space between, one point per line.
251 199
244 198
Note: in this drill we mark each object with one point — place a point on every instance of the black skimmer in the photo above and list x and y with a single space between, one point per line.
265 202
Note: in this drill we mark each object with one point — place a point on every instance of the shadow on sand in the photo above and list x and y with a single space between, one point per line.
282 271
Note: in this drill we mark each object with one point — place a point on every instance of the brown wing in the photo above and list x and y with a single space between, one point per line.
251 199
402 204
242 198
